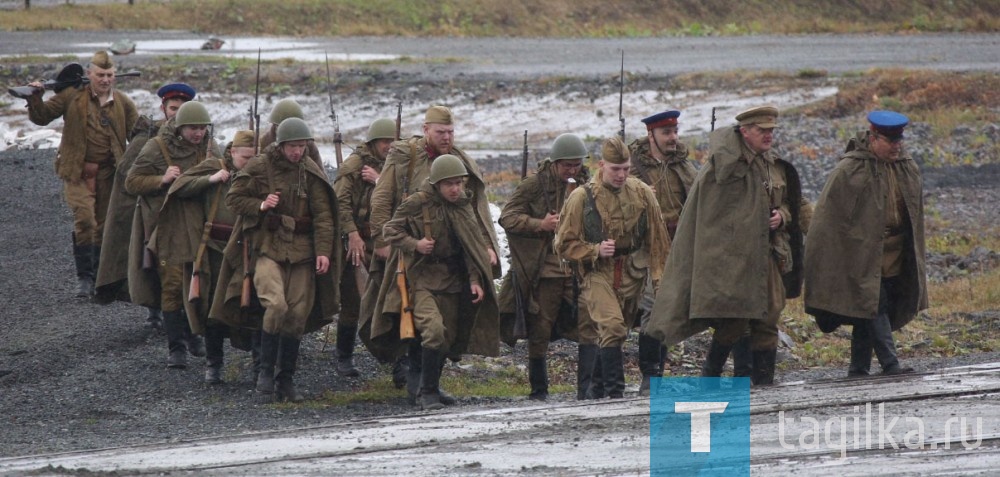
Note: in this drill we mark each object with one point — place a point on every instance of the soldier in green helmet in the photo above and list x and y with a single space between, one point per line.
354 185
436 232
549 292
284 109
153 281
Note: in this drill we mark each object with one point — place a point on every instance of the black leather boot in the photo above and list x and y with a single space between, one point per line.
268 358
255 354
430 380
597 390
650 361
345 350
586 359
446 399
614 372
742 358
83 258
538 378
415 354
884 346
715 360
154 319
284 389
763 367
861 352
400 369
215 339
196 346
174 324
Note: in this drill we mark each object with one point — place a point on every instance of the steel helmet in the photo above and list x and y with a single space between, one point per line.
293 129
383 128
192 113
568 146
447 166
284 109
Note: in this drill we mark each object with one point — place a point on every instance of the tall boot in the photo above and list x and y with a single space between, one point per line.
597 390
83 258
345 350
268 358
742 358
400 368
255 354
415 354
215 337
284 390
446 399
861 351
154 319
763 367
613 367
174 324
538 379
650 361
715 360
430 380
880 331
586 359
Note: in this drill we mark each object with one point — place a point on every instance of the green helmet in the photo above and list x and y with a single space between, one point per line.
568 146
383 128
192 113
284 109
293 129
447 166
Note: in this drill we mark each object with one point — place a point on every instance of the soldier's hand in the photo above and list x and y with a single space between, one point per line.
322 265
550 222
270 202
221 176
425 246
172 173
775 221
382 252
369 174
606 248
477 293
355 249
493 257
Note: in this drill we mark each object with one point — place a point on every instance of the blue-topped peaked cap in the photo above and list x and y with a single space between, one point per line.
888 123
176 90
658 120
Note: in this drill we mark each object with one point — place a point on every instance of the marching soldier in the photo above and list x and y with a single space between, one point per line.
98 119
436 232
549 291
289 220
612 230
661 161
354 185
864 262
284 109
737 252
153 281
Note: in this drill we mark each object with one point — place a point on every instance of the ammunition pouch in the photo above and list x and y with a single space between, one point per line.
220 232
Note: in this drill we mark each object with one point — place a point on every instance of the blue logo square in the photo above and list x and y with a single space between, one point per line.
699 426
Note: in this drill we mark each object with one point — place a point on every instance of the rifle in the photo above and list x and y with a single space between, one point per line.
254 111
713 118
575 313
194 291
524 157
399 119
520 324
338 140
71 75
621 98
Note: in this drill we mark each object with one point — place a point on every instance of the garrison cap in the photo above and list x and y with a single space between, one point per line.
176 90
658 120
243 139
888 123
614 151
102 60
437 114
763 116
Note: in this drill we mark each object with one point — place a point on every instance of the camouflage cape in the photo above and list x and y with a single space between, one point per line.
478 335
229 288
721 253
844 247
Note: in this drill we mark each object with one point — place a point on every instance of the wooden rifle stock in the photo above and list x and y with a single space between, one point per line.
194 290
406 329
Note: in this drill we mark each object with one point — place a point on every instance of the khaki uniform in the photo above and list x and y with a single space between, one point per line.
670 180
93 141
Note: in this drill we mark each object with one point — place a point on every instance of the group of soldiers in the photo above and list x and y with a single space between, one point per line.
253 242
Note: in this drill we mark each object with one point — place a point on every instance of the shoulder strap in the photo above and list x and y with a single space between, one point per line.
593 226
427 221
409 171
207 228
163 149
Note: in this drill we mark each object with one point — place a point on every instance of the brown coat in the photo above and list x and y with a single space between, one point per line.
268 139
844 248
73 105
722 250
354 194
671 180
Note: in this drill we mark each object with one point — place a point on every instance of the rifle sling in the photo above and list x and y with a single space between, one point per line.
208 224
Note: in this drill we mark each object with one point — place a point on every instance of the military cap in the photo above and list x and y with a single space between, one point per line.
763 116
243 139
888 123
437 114
176 90
614 151
658 120
102 60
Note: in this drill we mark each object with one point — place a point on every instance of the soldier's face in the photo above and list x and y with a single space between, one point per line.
294 150
568 168
170 107
615 174
885 148
440 137
194 133
758 138
101 80
663 138
381 147
451 189
241 156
